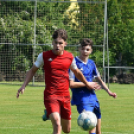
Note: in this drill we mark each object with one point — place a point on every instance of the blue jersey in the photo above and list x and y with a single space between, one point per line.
84 95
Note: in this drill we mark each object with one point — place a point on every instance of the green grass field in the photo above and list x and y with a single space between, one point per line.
23 115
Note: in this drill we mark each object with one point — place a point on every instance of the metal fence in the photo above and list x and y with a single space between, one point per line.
26 27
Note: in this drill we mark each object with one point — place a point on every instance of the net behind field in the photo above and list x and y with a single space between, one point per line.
26 29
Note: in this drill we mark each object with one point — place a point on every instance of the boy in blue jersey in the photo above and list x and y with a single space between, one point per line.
82 97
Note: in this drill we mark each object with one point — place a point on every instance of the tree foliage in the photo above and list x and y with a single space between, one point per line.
81 20
121 30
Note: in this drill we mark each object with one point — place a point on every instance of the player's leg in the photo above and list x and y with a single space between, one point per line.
93 131
98 127
87 107
66 125
53 110
65 114
97 112
45 116
56 122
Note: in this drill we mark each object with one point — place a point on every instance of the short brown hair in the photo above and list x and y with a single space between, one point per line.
60 33
85 42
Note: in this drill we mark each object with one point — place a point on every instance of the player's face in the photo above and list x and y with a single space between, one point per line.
85 51
58 46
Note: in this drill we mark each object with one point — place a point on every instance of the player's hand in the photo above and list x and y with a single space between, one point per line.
94 85
20 90
112 94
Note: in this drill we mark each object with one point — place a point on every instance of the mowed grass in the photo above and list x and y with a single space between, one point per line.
24 115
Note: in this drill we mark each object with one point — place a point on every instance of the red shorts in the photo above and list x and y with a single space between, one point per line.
60 104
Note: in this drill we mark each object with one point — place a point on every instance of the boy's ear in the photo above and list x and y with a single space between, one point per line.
91 50
79 47
65 43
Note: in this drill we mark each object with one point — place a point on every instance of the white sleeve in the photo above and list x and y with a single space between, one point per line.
39 62
98 74
71 74
73 64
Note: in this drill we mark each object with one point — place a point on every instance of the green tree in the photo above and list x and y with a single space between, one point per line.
121 31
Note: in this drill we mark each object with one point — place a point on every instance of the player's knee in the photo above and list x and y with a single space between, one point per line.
56 125
56 128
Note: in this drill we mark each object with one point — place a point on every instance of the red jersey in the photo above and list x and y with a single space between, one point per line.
56 73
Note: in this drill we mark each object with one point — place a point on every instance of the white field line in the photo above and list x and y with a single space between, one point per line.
112 133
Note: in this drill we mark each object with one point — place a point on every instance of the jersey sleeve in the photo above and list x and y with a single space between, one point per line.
73 64
96 72
39 62
71 75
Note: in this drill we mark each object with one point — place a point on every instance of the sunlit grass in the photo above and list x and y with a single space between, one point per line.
23 115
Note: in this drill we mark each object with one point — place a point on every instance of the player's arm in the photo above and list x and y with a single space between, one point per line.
74 84
104 86
75 71
30 75
93 85
28 78
84 82
39 62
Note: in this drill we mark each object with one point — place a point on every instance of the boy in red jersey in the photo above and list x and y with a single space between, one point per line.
56 63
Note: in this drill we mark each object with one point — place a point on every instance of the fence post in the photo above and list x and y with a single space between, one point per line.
34 46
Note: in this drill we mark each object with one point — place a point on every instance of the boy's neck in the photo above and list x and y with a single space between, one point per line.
57 53
84 59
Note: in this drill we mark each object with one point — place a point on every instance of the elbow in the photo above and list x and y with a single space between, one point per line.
71 85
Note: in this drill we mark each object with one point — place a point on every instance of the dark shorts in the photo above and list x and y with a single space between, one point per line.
60 105
95 108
